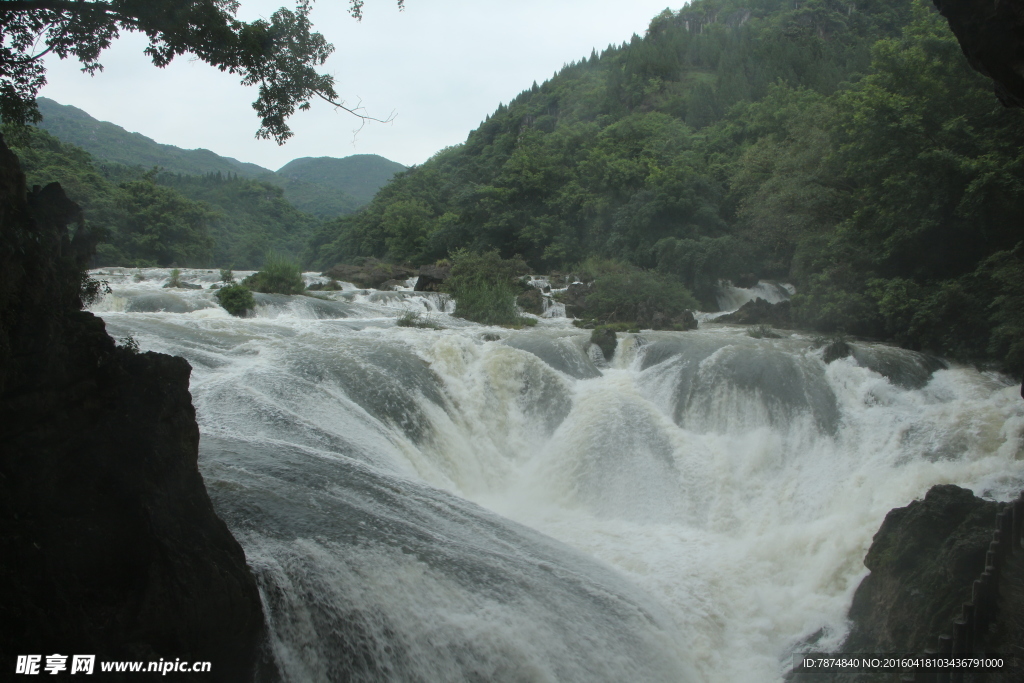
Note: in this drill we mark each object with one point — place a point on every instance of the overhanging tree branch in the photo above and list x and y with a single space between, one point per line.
279 55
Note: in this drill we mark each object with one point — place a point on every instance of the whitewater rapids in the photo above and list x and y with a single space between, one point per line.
482 504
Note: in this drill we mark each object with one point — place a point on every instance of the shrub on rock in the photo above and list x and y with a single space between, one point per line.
278 276
604 338
620 292
236 300
484 288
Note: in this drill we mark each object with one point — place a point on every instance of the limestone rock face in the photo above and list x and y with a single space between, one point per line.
431 278
109 544
922 560
991 35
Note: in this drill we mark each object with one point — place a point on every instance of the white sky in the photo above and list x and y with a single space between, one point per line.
441 65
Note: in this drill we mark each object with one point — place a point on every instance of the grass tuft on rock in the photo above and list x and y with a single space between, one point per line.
278 276
415 319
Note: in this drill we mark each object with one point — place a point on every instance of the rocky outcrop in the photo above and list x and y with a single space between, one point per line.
923 561
650 317
760 312
531 300
575 299
606 340
109 543
368 274
650 313
835 349
991 35
431 278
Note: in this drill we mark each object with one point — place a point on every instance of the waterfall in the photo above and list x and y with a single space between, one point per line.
731 298
482 504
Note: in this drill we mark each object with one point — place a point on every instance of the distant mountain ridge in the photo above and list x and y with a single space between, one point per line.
324 186
360 174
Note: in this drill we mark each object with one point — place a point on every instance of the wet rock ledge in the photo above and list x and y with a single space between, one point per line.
109 544
923 562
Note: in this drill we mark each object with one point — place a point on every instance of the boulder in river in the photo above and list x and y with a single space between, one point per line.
531 301
430 278
605 339
575 299
369 273
760 312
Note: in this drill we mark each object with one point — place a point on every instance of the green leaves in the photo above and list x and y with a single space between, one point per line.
482 286
162 227
280 56
236 299
279 275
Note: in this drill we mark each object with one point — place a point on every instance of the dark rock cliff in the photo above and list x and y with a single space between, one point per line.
991 35
109 544
923 561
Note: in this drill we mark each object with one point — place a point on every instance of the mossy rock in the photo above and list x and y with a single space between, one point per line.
836 349
604 338
531 301
236 300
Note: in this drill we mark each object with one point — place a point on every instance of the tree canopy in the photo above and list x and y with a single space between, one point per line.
846 148
280 56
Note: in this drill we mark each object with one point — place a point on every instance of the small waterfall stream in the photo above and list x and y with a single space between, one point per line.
424 505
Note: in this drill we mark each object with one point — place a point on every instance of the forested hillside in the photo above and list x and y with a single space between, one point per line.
153 218
844 146
362 175
325 187
110 142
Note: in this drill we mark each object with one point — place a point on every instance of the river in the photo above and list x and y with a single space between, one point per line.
484 504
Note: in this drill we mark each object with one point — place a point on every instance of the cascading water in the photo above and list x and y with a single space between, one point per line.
731 297
425 505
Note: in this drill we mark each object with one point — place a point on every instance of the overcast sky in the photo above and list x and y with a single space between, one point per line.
441 66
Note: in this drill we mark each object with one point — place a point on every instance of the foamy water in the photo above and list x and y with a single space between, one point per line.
425 505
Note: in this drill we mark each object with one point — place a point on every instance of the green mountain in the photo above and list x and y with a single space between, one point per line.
332 187
845 147
362 175
164 219
110 142
612 154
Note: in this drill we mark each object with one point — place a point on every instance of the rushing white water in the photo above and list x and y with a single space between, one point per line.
731 297
424 505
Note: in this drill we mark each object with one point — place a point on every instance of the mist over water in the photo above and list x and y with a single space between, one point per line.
424 505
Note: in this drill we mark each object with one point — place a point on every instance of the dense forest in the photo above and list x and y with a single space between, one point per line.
154 218
326 187
844 146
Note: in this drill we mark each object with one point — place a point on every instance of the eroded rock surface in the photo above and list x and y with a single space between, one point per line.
923 561
109 544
